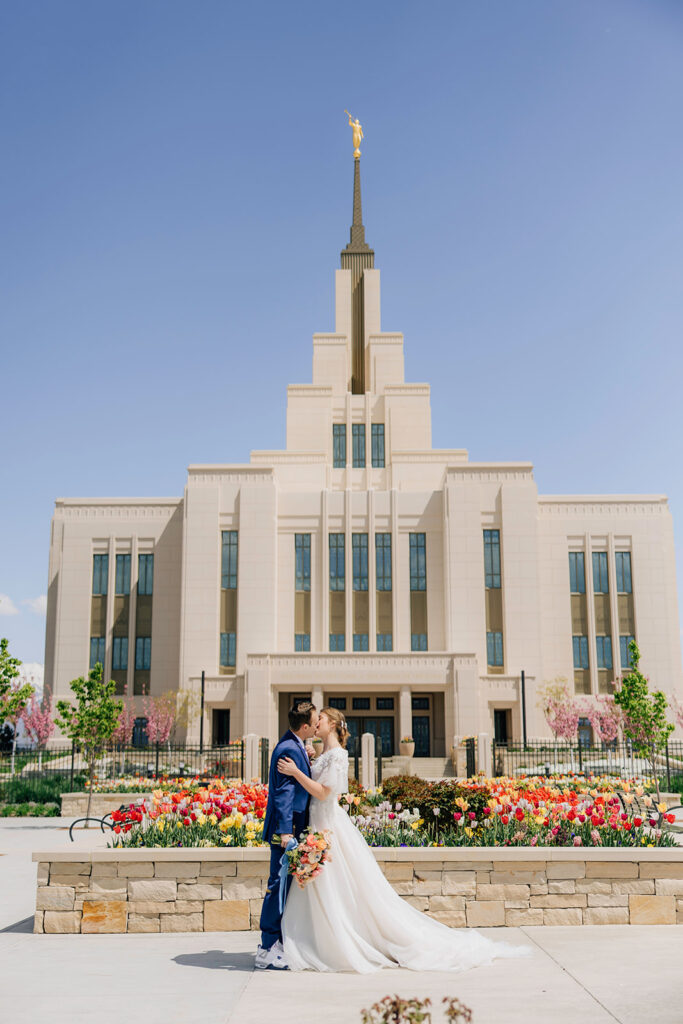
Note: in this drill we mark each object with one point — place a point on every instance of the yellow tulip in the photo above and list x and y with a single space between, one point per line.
661 808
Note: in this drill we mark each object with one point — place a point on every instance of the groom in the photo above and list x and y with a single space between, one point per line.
286 817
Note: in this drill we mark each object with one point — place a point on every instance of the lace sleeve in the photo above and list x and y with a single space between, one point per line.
334 773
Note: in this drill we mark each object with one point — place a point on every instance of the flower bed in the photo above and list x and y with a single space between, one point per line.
485 813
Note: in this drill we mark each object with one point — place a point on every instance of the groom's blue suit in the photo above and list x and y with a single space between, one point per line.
286 813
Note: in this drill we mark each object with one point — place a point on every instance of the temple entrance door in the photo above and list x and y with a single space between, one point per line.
381 726
421 735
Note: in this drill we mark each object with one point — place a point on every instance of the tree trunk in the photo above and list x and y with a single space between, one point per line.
91 771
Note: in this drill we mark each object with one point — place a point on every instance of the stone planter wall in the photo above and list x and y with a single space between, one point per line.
182 890
74 805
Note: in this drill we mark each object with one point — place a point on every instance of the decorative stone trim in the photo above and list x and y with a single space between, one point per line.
182 890
76 804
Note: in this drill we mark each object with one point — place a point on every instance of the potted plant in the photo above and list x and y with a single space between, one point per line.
407 746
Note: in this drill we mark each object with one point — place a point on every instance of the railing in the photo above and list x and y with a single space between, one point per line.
548 757
151 761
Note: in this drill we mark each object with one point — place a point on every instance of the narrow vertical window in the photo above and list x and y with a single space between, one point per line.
119 657
358 438
143 653
418 592
337 543
361 607
577 572
492 558
339 445
122 575
229 559
383 597
624 653
97 644
378 445
623 571
100 573
145 574
302 595
228 650
580 647
337 553
600 578
494 648
494 601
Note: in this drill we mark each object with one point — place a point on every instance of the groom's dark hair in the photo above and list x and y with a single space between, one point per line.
300 714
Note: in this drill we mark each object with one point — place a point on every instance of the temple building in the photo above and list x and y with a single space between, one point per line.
362 567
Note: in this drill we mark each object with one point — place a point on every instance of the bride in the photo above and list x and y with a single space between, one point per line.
350 918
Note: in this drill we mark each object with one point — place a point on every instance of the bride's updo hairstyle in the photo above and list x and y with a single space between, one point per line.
337 720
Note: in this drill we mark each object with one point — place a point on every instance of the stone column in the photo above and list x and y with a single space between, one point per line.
368 768
484 762
405 712
251 758
317 696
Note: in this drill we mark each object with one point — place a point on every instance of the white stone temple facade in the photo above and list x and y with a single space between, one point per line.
360 566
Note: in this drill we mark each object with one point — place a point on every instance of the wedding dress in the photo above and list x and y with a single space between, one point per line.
350 919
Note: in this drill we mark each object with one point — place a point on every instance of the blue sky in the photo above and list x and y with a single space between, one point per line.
175 188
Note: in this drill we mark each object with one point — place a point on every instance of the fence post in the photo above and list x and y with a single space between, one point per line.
265 759
367 770
356 758
156 762
484 763
379 760
668 768
251 765
73 755
580 756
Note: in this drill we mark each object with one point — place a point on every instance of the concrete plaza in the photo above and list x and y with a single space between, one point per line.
596 974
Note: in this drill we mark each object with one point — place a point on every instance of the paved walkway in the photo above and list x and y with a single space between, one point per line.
584 974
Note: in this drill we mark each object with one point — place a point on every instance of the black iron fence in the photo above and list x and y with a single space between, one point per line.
547 757
160 760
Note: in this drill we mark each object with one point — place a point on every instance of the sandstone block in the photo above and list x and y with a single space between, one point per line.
252 869
667 869
517 877
57 922
594 886
446 903
487 914
669 886
398 872
459 883
420 902
562 886
80 883
179 869
555 916
143 923
182 922
639 887
503 892
426 868
452 919
606 915
578 899
516 904
539 888
136 869
565 869
151 907
403 888
427 887
520 918
611 869
607 901
652 909
483 877
102 869
55 897
188 906
73 867
43 873
190 891
38 922
249 889
216 867
226 916
105 916
111 885
159 890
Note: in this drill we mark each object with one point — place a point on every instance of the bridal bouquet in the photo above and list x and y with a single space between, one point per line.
306 859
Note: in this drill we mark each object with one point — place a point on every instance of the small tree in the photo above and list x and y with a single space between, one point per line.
606 718
39 723
14 693
645 722
562 711
161 716
92 720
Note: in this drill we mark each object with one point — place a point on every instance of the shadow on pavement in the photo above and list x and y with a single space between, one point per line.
216 960
26 925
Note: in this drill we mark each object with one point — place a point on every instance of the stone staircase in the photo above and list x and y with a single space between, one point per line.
425 767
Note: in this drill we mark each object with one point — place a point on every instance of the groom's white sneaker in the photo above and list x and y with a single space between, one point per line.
272 959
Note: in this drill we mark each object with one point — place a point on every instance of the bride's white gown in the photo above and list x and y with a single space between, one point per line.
350 918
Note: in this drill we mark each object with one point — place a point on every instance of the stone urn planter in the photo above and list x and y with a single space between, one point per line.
407 746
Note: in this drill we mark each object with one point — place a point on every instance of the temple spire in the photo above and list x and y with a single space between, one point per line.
357 241
357 257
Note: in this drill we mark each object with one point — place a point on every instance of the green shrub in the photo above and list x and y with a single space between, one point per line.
29 809
47 789
429 797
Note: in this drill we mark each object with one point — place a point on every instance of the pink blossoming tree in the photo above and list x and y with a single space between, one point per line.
161 713
39 723
605 717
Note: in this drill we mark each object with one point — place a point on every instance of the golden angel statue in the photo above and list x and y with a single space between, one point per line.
357 134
